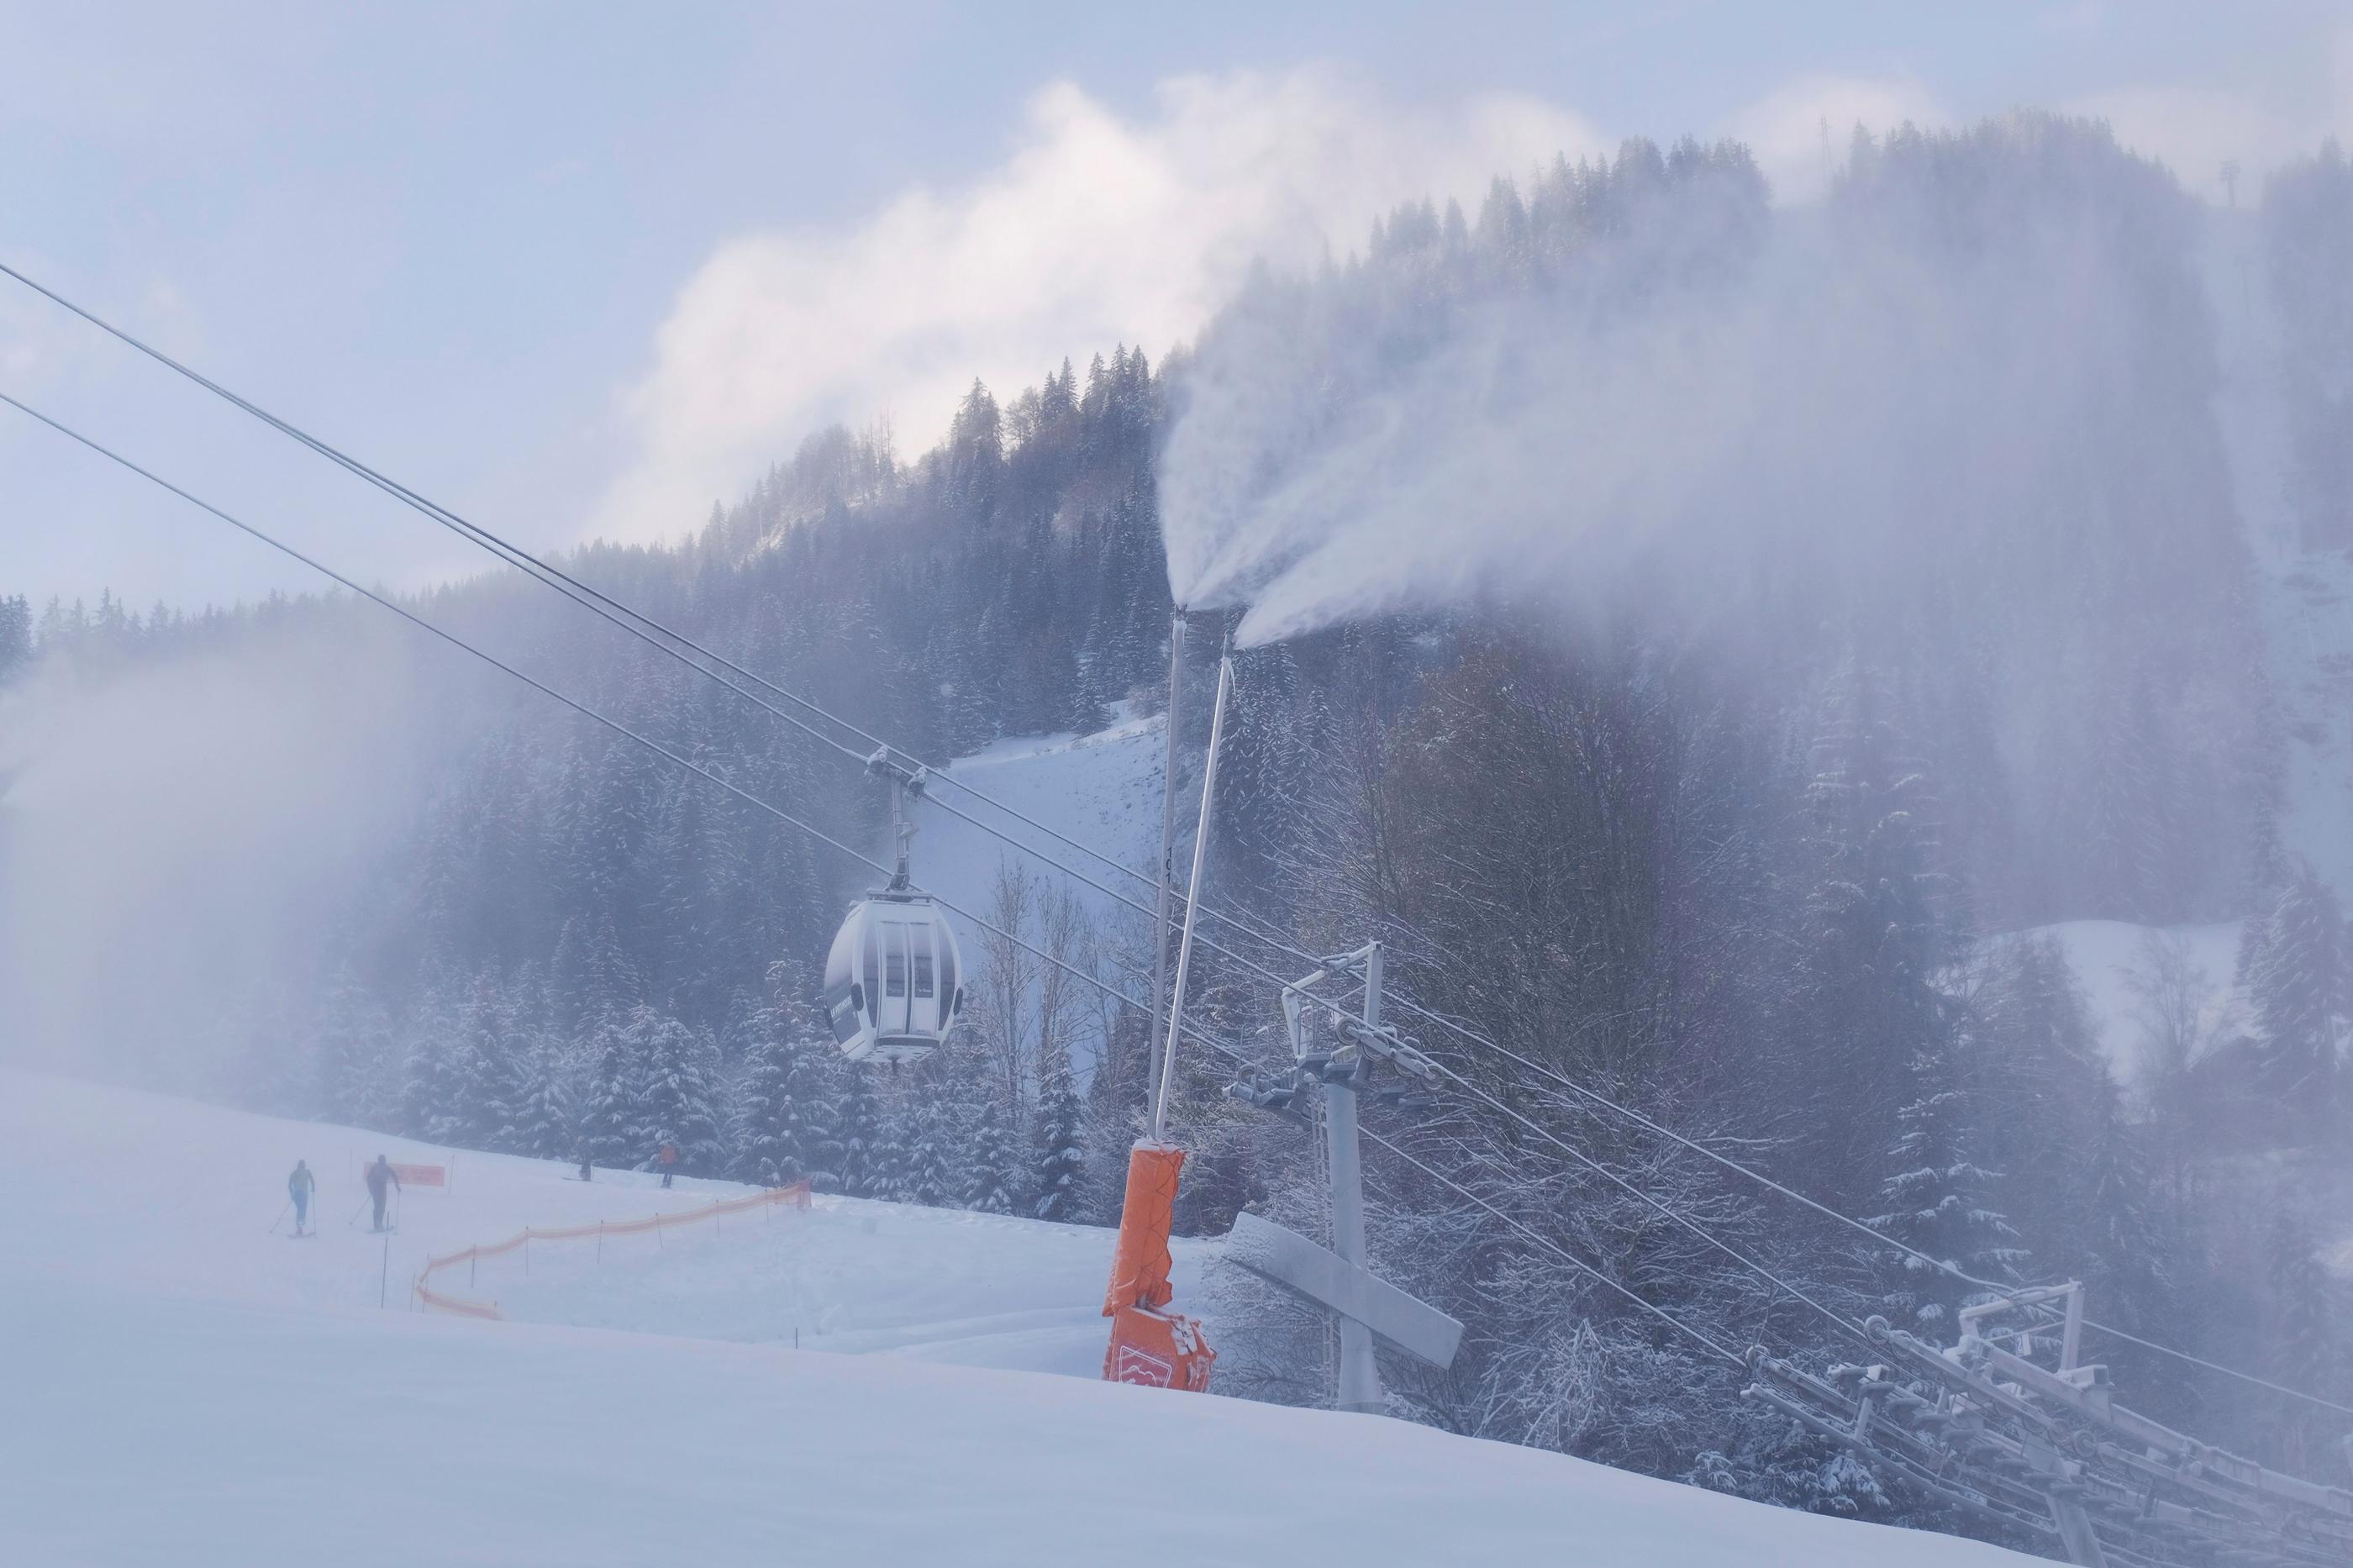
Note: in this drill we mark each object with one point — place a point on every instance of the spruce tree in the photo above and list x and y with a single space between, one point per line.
2297 983
675 1103
855 1132
988 1165
1938 1201
2304 1347
355 1047
1057 1165
773 1143
488 1071
545 1122
929 1175
608 1123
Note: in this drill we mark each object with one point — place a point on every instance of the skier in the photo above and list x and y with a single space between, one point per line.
667 1161
380 1178
300 1186
585 1170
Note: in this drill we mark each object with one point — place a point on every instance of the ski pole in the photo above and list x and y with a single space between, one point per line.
281 1218
355 1213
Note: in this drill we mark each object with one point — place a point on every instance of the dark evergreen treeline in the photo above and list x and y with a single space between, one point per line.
1737 871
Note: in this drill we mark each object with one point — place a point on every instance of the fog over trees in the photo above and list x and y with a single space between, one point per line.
1764 702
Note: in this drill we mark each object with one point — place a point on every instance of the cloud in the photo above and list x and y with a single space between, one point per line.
2194 131
1096 229
1800 133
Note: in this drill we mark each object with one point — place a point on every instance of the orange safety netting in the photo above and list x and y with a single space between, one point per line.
796 1195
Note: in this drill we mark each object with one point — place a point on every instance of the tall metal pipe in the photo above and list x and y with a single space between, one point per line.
1167 844
1192 903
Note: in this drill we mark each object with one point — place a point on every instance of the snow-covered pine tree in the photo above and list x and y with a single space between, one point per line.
1870 979
855 1129
355 1041
1939 1201
546 1124
2304 1348
887 1152
675 1105
773 1137
608 1123
488 1071
431 1097
2297 983
1058 1164
988 1162
929 1171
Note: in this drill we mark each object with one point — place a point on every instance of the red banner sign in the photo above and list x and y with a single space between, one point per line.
421 1175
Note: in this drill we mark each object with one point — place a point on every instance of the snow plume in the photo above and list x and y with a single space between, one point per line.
1095 230
1652 363
175 832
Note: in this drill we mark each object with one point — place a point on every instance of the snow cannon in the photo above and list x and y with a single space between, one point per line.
1151 1346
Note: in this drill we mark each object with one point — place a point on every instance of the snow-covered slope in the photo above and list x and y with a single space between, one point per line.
186 1388
168 1195
2102 953
1102 790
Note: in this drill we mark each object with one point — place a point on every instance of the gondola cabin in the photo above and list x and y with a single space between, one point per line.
893 980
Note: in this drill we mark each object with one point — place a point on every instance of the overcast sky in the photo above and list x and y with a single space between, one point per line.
580 270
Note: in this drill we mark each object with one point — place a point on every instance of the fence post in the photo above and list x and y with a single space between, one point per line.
658 1240
471 1260
600 1241
526 1252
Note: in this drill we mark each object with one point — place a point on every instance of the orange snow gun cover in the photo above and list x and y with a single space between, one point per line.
1149 1346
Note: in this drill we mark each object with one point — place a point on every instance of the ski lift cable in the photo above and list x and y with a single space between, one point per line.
604 605
1727 1162
614 610
576 704
1557 1251
660 750
1837 1319
1545 1134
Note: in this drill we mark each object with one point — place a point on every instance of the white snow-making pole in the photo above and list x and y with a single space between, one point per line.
1358 1387
1167 844
1192 903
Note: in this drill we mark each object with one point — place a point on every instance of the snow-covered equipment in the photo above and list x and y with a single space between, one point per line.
1350 1292
894 979
2050 1454
1150 1345
1337 1279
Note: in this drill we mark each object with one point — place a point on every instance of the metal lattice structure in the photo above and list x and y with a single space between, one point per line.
2049 1456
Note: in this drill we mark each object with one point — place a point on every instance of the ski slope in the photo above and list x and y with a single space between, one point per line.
1102 790
187 1388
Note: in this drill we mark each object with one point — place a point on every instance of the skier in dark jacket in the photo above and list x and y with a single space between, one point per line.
381 1179
300 1186
665 1161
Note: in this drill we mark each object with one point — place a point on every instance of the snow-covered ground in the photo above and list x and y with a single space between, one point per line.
183 1387
848 1276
